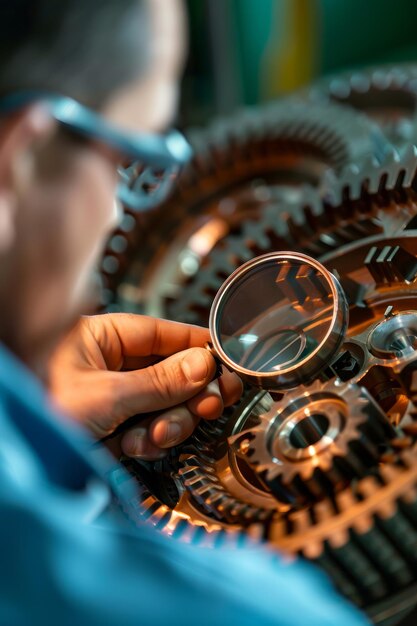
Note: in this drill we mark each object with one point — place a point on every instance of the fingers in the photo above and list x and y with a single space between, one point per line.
231 387
208 404
181 380
168 383
150 440
172 428
141 336
136 443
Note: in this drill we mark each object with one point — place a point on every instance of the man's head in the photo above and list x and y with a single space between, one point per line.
121 57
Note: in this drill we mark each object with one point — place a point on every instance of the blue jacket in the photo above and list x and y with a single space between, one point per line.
59 567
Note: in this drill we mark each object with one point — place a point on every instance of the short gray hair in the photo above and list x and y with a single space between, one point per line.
85 49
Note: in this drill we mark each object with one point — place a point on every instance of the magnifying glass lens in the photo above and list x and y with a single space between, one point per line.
274 314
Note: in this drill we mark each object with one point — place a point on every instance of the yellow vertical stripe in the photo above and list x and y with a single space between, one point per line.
292 52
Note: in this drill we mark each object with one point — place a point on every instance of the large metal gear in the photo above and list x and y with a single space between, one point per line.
365 538
376 205
327 471
261 155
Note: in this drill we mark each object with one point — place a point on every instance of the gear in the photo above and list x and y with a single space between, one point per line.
179 520
204 474
219 483
376 204
386 94
269 153
352 506
365 538
315 439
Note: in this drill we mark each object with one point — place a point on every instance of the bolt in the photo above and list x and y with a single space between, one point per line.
389 311
244 446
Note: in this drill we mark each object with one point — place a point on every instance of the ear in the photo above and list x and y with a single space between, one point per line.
19 134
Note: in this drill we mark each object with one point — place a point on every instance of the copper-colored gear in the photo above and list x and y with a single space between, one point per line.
360 524
365 538
268 153
364 209
205 474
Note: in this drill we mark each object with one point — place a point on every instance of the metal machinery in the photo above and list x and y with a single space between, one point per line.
326 469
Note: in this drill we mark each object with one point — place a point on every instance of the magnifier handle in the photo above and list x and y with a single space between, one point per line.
219 364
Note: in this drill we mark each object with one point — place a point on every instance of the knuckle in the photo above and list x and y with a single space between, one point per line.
167 381
160 382
118 404
232 390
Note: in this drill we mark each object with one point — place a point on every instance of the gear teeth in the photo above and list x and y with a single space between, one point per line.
145 507
248 145
378 177
349 183
365 535
359 89
363 429
200 479
391 264
317 227
372 553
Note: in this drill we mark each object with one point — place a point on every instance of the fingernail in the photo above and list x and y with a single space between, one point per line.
213 389
195 366
135 443
138 445
167 433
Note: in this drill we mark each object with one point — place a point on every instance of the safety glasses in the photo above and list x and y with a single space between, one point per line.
155 160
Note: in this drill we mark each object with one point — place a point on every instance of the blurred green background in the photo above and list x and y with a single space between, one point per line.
248 51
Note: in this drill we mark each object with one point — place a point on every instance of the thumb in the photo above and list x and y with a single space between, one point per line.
167 383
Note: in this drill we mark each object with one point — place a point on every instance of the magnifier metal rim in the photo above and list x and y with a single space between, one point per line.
282 378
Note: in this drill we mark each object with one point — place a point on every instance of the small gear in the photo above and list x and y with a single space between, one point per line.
177 519
200 473
316 439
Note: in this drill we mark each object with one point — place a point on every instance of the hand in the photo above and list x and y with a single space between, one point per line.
111 367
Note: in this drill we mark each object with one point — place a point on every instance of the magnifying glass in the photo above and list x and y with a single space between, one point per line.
278 320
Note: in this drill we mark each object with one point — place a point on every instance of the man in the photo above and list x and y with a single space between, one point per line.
58 177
